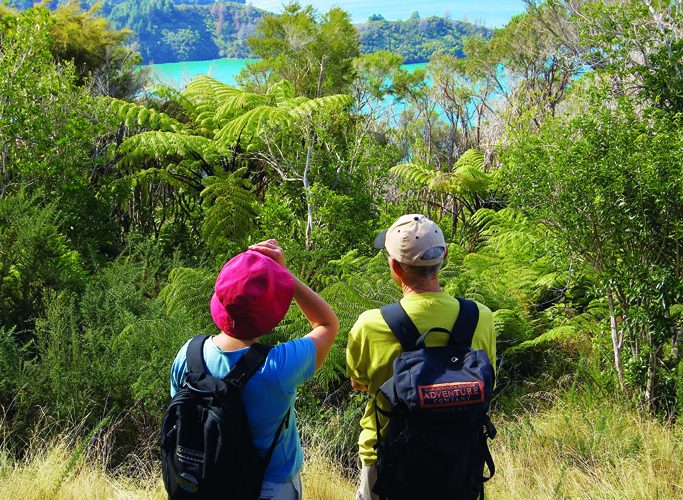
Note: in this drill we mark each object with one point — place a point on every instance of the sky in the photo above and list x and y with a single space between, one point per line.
492 13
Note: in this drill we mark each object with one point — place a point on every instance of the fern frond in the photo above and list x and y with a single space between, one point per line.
205 94
281 91
229 208
204 90
162 145
250 125
472 158
313 105
468 176
137 117
165 175
189 293
415 173
233 106
559 334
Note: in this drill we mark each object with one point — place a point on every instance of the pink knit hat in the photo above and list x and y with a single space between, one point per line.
252 295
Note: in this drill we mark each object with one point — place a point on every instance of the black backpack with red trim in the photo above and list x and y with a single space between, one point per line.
438 400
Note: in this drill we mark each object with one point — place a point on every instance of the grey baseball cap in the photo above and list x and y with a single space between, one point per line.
410 238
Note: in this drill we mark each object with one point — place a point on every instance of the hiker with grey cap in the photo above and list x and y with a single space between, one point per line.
416 249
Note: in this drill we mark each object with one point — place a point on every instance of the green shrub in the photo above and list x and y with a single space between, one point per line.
511 326
11 366
34 257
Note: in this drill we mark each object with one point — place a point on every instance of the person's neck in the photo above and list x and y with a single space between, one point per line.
424 287
227 343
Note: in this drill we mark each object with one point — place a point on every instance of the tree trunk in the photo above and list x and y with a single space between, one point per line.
307 194
617 342
651 375
676 343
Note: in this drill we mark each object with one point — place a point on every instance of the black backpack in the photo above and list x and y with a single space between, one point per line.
207 450
436 445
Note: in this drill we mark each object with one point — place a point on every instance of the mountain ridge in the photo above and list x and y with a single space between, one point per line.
191 30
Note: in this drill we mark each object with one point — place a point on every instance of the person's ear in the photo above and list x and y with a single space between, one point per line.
396 267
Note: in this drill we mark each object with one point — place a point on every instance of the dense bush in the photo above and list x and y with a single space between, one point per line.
416 39
115 215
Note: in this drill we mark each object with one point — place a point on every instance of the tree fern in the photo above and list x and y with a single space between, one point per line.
229 208
188 294
169 145
233 106
165 175
247 128
415 173
308 107
205 93
281 92
137 117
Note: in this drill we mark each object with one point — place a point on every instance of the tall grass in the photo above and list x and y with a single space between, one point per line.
577 448
40 477
587 448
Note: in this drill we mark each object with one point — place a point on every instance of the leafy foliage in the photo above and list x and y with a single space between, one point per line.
34 257
229 206
607 180
116 214
138 117
416 39
187 30
314 53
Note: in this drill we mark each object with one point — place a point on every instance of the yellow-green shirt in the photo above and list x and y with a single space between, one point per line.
372 349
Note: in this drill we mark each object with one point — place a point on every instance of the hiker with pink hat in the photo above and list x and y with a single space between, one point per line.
252 294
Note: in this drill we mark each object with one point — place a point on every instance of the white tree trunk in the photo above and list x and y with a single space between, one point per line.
307 194
616 341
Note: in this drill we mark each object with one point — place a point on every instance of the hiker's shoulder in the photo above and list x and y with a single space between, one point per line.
368 322
301 346
485 313
371 318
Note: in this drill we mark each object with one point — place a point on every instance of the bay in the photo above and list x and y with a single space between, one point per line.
178 75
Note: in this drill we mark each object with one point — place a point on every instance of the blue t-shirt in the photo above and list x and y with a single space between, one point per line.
267 396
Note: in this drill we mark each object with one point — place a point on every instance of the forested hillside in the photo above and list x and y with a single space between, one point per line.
416 39
186 30
551 155
168 31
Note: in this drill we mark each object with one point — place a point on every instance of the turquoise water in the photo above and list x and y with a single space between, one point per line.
177 75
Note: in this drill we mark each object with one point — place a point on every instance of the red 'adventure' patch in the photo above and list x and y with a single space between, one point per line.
451 394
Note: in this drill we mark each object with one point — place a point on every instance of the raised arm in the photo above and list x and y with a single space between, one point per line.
319 314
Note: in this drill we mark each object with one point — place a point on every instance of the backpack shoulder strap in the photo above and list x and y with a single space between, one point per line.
401 325
465 324
247 365
195 355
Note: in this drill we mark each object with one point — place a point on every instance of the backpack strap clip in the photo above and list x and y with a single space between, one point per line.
247 365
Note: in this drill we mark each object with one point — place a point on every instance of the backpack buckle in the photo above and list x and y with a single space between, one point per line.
237 382
490 429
